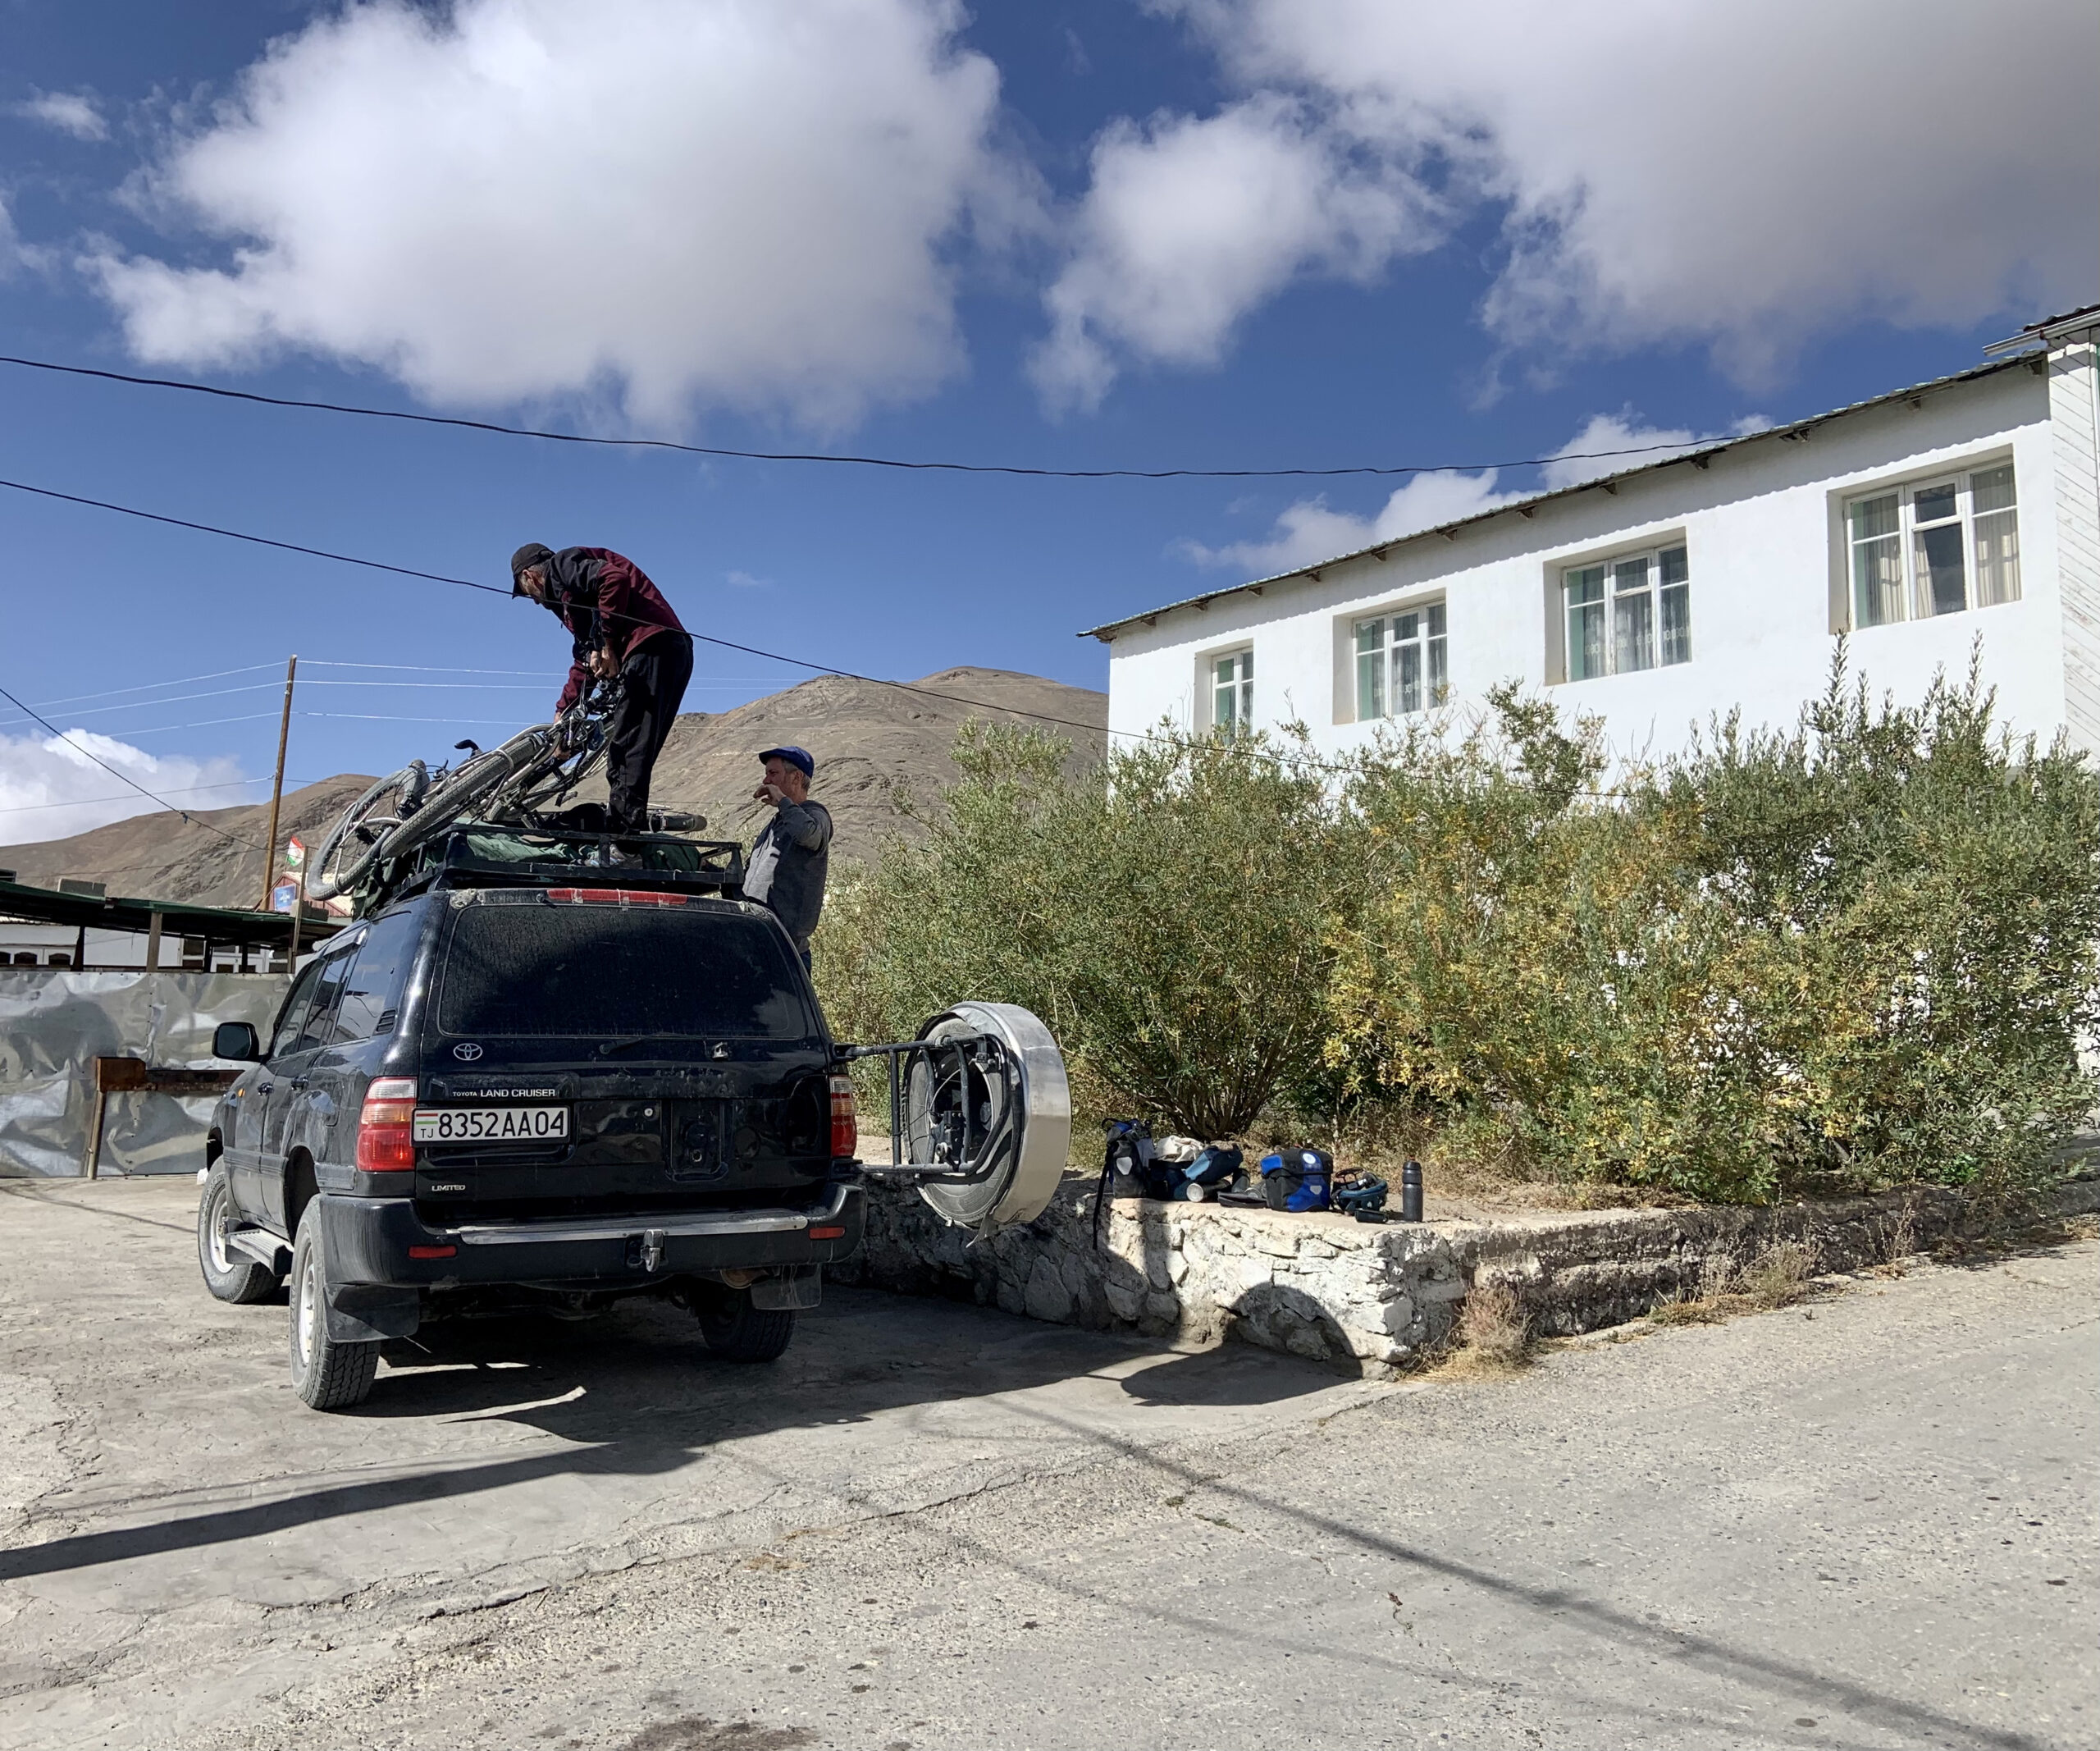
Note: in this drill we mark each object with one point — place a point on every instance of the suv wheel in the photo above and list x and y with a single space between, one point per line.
229 1274
330 1375
739 1332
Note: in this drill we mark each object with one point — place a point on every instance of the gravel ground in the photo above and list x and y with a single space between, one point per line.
1868 1521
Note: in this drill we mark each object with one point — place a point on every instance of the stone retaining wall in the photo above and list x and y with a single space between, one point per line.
1360 1295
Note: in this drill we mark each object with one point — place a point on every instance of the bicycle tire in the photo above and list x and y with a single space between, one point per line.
324 885
459 796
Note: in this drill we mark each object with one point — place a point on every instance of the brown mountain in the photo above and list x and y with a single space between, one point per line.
866 737
162 857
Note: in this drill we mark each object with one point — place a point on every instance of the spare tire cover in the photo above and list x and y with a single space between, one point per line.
1027 1172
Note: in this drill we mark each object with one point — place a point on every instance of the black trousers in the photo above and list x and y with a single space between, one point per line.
653 681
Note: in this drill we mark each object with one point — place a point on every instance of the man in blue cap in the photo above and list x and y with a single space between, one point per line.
792 855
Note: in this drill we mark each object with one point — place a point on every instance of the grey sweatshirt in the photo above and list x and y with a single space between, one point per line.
788 866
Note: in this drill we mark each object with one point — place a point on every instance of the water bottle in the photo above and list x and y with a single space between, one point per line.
1411 1192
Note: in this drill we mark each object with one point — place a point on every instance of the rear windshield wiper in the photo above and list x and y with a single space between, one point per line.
607 1048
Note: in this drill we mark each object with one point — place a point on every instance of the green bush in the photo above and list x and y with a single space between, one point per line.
1168 912
1852 955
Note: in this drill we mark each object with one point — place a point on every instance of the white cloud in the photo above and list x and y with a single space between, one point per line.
740 580
657 202
1741 176
1189 224
50 789
73 112
1588 455
1311 530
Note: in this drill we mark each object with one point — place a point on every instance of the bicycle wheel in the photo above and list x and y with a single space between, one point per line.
460 796
358 836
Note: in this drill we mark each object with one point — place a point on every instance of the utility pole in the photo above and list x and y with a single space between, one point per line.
277 788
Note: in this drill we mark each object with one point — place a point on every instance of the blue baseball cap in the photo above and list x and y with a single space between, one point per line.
797 757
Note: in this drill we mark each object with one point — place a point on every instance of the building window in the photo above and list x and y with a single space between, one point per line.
1628 613
1232 692
1936 547
1401 663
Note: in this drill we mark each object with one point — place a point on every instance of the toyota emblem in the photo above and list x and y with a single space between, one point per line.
466 1051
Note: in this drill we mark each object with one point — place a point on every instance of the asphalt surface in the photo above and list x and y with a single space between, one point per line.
1869 1522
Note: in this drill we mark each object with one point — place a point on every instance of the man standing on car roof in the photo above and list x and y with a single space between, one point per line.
792 855
621 626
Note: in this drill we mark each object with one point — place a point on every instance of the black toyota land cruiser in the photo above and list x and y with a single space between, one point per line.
559 1093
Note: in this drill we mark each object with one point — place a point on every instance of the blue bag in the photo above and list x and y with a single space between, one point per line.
1297 1179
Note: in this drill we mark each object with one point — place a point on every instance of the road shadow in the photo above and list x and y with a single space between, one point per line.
1232 1374
637 1392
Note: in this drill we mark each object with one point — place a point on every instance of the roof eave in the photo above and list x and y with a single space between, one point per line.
1699 456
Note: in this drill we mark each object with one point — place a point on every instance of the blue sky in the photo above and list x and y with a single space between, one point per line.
1197 233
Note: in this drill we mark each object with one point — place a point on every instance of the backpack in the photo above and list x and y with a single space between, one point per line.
1297 1179
1129 1167
1213 1168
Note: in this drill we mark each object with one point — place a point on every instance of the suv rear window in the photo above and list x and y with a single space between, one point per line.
541 969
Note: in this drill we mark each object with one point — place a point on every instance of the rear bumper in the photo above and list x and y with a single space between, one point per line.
368 1241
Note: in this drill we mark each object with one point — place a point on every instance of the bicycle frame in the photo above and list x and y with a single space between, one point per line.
532 769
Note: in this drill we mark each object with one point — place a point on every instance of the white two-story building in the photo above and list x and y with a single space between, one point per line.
1958 513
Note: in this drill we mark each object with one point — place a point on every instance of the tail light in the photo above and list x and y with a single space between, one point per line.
386 1126
613 897
845 1122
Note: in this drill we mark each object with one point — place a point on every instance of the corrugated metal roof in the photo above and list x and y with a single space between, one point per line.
220 924
1700 454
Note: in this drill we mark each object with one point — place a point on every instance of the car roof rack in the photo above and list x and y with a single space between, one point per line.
488 854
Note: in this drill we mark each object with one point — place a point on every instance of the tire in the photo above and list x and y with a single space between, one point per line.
230 1275
328 1374
737 1332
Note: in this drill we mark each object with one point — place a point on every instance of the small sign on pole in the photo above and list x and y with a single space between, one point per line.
283 896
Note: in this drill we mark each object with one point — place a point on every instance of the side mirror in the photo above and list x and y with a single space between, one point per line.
236 1040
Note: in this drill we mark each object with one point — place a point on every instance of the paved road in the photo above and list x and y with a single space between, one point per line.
1868 1523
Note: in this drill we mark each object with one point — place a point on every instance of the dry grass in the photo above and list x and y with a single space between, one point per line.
1778 1275
1491 1338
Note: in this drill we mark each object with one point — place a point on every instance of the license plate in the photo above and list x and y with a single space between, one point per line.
492 1124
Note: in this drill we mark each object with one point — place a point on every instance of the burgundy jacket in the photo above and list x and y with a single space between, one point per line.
604 599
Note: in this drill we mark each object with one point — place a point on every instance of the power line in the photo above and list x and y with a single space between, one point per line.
147 687
220 674
418 668
491 589
774 456
125 778
154 729
266 687
184 790
381 717
259 541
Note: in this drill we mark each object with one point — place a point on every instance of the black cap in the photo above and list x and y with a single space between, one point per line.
526 557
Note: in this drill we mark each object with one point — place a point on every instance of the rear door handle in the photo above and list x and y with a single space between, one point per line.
265 1088
299 1081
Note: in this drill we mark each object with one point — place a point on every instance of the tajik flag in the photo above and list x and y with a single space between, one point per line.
294 854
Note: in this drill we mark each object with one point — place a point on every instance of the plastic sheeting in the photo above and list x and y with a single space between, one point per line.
53 1025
